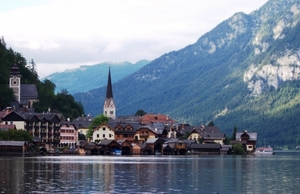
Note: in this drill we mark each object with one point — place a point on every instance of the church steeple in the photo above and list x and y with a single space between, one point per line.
109 108
109 93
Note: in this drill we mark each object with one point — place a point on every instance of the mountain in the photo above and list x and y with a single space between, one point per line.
86 77
244 73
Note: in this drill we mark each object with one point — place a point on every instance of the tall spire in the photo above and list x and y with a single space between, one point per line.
109 93
109 108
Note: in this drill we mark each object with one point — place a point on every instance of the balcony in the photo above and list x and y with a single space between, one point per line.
36 134
43 134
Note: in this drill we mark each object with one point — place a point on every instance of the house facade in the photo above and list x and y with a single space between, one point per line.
68 135
103 131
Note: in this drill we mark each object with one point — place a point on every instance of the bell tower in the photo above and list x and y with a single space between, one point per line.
109 108
15 82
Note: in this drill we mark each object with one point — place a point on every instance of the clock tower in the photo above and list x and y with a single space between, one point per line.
15 82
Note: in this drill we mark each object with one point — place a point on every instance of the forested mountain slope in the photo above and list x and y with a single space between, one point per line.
245 72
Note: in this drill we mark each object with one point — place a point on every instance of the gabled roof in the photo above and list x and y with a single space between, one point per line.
106 142
68 124
155 141
28 91
252 135
152 118
82 122
13 116
125 119
206 135
90 146
12 143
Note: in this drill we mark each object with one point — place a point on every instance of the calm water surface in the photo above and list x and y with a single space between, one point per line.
278 173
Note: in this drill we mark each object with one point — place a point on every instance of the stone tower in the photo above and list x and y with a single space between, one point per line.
15 82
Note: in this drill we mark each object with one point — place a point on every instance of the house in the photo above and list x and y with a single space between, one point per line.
207 134
82 123
13 147
136 149
90 149
144 133
247 139
125 131
156 145
107 147
177 147
68 134
126 147
43 126
205 148
103 131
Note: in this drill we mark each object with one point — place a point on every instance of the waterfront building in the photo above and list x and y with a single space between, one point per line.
68 135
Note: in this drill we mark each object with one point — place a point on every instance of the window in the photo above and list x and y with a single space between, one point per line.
103 135
103 128
110 135
97 135
111 112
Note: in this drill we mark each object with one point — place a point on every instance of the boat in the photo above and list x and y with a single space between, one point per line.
264 151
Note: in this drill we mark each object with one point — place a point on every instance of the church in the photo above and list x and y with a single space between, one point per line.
24 94
109 108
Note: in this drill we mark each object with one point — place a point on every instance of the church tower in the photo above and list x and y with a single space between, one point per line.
109 109
15 82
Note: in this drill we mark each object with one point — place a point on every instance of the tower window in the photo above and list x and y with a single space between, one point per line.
111 112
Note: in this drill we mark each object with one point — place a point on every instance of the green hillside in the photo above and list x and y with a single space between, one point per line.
245 72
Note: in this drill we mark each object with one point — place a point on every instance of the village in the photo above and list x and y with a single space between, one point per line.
148 134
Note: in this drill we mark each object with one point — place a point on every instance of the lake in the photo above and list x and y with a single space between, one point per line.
278 173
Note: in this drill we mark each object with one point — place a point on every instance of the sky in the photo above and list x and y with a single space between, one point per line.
65 34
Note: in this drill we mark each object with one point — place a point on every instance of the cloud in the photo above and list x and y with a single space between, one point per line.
72 32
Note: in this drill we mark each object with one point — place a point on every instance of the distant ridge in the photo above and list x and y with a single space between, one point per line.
87 77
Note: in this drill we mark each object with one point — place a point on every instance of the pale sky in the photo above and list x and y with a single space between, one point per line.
64 34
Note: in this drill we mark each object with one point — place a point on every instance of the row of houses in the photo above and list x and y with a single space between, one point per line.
148 134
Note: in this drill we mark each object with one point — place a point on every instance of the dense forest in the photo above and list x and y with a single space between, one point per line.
62 102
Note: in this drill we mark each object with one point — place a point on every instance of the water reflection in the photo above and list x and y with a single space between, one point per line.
152 174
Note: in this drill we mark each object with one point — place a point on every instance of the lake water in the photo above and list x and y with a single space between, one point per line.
277 173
